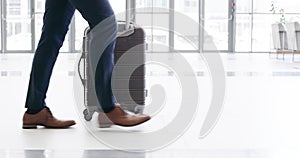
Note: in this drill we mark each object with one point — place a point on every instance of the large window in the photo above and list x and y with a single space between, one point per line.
189 8
216 24
248 30
148 14
17 21
254 19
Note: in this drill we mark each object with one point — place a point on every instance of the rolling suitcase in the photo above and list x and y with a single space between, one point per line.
130 40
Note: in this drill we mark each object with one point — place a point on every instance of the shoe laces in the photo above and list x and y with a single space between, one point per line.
48 109
123 111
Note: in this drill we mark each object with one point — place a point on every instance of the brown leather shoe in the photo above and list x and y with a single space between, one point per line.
44 118
120 117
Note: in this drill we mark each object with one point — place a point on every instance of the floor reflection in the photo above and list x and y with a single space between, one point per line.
111 154
77 154
35 154
162 153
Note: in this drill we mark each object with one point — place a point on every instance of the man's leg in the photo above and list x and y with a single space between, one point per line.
57 17
95 12
103 26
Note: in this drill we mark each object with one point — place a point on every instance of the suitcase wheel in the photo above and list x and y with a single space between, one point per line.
87 115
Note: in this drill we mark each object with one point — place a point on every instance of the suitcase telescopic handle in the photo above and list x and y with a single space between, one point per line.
126 28
128 12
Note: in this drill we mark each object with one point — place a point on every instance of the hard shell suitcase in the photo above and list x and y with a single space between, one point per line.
130 40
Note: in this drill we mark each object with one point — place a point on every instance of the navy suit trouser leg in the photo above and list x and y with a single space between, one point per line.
56 20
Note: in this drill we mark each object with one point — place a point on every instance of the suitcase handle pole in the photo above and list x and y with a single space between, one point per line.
128 19
126 28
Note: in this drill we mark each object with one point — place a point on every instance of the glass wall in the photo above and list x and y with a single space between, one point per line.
250 31
21 24
153 13
254 19
17 19
189 8
216 23
149 13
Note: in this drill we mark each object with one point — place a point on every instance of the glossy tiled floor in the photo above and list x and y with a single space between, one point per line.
259 119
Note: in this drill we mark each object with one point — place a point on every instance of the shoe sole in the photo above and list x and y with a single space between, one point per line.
35 126
108 125
29 126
